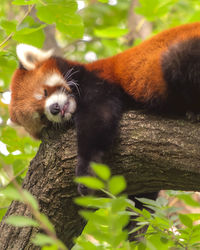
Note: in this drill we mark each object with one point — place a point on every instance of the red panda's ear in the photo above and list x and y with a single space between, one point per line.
29 56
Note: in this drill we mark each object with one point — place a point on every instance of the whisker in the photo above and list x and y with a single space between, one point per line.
63 90
73 83
68 72
71 73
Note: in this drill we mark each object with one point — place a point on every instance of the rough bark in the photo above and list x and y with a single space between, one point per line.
152 152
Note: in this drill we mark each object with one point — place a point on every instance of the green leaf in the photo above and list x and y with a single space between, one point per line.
23 196
42 239
47 222
31 199
101 170
148 201
18 166
146 214
8 26
121 220
96 218
28 31
12 193
162 201
24 2
21 221
71 27
154 10
110 32
194 217
195 16
33 36
86 214
119 204
135 229
52 247
35 39
2 212
155 242
81 244
103 1
90 201
187 198
186 220
56 9
63 14
121 237
8 64
116 185
31 32
90 182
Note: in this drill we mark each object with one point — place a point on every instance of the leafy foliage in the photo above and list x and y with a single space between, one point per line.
99 28
108 219
107 226
39 220
68 22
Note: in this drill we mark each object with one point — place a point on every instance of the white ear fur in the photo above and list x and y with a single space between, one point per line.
29 55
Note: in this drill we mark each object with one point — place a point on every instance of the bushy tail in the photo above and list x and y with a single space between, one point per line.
181 69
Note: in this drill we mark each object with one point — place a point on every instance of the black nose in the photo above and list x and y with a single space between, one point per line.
54 108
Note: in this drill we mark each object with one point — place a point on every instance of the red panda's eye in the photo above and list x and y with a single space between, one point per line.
45 93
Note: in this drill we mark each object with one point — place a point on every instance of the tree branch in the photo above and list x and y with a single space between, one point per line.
152 153
30 7
138 26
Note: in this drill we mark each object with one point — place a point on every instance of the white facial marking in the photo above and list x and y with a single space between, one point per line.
54 79
38 96
66 103
29 55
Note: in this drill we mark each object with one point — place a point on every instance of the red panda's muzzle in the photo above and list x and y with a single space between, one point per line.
55 109
59 107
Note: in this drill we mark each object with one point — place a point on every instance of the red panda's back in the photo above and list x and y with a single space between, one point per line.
138 70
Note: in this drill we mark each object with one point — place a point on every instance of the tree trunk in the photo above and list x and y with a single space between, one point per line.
152 153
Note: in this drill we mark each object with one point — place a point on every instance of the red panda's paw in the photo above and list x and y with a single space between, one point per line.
193 117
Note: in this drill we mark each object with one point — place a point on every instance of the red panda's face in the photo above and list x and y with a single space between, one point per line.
59 103
39 92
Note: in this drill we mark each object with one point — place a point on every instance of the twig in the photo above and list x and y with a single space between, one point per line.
35 212
74 43
20 21
4 207
14 177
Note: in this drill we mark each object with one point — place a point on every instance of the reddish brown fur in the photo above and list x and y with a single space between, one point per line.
138 70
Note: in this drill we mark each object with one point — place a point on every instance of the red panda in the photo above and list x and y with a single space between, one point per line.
162 73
